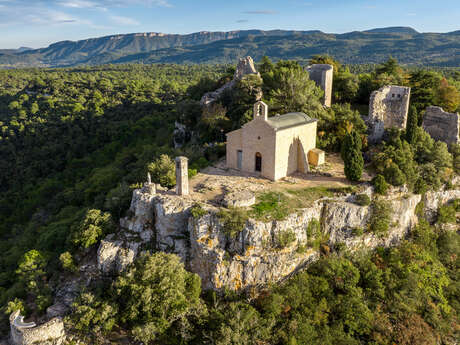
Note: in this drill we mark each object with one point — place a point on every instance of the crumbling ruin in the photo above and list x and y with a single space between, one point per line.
323 76
442 125
388 107
245 67
28 333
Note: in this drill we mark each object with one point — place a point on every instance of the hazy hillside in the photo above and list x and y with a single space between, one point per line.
371 46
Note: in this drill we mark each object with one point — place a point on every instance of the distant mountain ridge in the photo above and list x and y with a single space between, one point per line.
370 46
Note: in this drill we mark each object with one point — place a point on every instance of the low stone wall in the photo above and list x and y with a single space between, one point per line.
442 125
49 333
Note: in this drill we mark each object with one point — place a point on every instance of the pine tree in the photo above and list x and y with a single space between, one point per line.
412 123
352 156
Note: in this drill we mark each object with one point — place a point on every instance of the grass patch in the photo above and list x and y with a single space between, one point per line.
271 206
278 205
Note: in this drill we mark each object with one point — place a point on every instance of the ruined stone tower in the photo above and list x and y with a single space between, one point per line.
323 76
182 175
388 107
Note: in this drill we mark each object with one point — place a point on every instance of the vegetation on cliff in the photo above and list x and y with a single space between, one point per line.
75 142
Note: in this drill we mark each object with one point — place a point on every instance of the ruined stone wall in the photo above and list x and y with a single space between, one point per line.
323 76
388 107
442 125
49 333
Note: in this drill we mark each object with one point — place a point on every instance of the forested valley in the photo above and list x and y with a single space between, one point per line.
75 142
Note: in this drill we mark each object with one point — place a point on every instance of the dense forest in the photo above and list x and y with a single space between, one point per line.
75 142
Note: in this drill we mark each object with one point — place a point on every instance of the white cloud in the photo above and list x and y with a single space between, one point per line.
124 20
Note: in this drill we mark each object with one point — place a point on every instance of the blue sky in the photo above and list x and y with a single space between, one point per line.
38 23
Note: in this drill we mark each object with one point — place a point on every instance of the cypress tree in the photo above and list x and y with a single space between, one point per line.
352 156
412 123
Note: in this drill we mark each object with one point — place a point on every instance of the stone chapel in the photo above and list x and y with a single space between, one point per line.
274 147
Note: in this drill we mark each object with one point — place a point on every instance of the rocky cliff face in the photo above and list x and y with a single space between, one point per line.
255 256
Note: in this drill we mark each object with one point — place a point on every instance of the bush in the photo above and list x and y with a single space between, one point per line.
67 262
92 314
234 221
380 218
447 214
163 171
357 231
285 238
156 293
197 211
91 228
380 185
362 200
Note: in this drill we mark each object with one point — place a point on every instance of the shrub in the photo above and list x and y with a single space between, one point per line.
447 214
92 314
91 228
357 231
163 171
197 211
157 294
313 228
381 217
285 238
192 173
67 262
362 200
233 221
380 185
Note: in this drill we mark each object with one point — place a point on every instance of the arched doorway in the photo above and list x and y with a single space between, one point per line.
258 162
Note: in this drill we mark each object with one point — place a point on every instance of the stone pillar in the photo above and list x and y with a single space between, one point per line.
181 176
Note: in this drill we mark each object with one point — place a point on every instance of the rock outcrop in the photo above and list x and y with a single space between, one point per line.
442 125
262 252
433 200
245 67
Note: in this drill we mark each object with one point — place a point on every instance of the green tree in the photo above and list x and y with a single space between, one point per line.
412 123
157 292
89 230
352 156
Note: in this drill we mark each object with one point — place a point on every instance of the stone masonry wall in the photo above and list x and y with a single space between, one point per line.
442 125
49 333
323 76
388 107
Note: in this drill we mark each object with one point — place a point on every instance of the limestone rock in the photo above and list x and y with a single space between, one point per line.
115 255
433 200
239 199
245 67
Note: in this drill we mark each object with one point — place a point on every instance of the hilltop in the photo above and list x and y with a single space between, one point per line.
371 46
